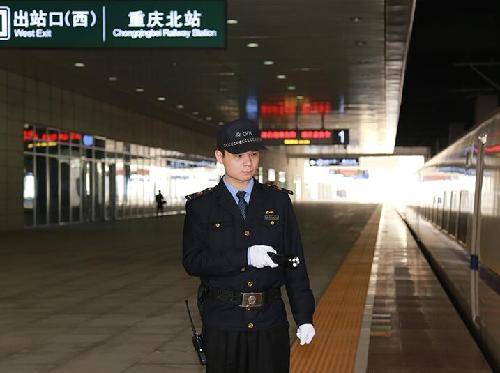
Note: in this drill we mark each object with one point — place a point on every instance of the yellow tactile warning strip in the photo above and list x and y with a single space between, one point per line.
339 313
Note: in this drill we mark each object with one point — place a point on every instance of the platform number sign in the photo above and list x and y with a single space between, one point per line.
305 136
4 23
340 137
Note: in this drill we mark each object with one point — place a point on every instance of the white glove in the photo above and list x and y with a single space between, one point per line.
305 333
257 256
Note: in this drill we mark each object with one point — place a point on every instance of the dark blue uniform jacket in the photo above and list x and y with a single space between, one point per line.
215 243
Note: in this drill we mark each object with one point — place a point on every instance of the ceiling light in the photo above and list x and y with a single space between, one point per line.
139 89
161 98
112 78
281 76
305 69
252 45
291 88
196 112
300 97
356 19
221 123
232 21
227 73
79 64
180 106
360 43
268 63
208 118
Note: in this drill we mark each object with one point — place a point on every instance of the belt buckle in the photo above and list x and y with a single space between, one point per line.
252 299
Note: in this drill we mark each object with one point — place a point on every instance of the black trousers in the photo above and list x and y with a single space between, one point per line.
259 351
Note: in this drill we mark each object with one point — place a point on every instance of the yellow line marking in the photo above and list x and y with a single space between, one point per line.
339 314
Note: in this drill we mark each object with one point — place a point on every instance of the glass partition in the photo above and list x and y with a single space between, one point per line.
70 177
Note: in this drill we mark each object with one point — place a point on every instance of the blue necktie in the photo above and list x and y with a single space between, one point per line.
242 204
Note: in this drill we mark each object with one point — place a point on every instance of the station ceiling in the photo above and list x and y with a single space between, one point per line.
343 58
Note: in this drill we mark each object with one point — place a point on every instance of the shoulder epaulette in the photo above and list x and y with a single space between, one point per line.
190 197
270 184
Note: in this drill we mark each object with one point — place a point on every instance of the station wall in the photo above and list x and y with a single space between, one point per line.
24 100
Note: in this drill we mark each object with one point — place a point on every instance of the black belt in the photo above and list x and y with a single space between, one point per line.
244 299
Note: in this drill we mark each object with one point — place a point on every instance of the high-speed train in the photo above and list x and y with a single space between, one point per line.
456 216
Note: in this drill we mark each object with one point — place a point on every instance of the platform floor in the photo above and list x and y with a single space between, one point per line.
385 312
414 327
109 298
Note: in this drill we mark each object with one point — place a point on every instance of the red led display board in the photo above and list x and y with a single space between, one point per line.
305 137
290 108
32 139
30 135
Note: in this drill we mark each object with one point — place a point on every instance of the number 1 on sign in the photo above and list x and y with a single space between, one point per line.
341 135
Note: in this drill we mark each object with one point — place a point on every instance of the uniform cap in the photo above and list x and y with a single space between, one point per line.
239 136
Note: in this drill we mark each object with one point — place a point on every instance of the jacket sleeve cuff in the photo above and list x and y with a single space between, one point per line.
242 259
303 319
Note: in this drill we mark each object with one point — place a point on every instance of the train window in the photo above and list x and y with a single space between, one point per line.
446 211
467 159
440 211
434 210
469 156
463 216
452 225
431 212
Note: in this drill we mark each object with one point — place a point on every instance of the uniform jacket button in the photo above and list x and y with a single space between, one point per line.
250 325
243 269
247 233
249 284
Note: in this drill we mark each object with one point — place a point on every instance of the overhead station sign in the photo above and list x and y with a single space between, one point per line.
305 137
100 24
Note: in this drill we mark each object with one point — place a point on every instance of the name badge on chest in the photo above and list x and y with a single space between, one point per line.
271 216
